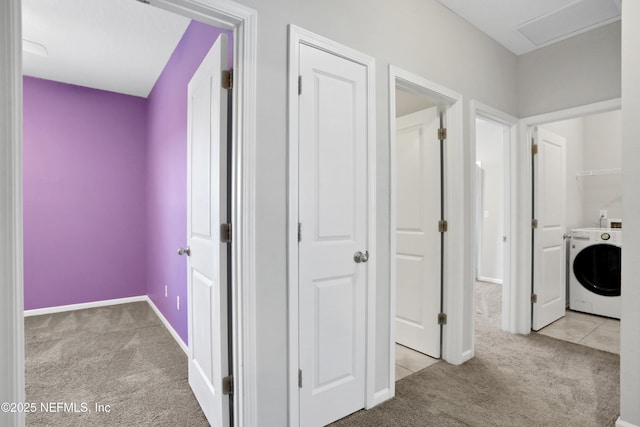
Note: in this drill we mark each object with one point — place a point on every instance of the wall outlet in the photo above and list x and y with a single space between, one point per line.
178 302
165 291
603 213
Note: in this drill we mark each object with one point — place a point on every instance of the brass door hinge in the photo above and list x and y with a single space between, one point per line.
534 223
227 385
534 149
225 233
442 319
534 298
443 226
442 134
227 79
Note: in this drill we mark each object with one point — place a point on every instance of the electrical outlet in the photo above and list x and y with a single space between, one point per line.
165 291
603 213
178 302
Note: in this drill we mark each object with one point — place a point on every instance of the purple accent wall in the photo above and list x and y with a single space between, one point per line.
167 175
84 191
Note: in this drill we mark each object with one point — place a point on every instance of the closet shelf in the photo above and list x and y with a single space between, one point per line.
599 172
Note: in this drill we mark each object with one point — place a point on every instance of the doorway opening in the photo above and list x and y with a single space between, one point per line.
226 15
492 141
424 141
525 236
588 291
493 134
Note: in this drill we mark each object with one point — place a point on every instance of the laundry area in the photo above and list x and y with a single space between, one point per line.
584 210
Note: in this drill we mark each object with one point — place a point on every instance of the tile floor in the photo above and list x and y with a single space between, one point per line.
410 361
586 329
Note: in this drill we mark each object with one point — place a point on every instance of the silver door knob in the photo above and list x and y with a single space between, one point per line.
185 251
361 257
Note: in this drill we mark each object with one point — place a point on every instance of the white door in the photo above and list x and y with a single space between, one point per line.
333 216
549 254
206 210
418 253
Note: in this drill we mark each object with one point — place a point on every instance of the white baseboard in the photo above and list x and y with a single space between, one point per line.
103 303
620 423
71 307
167 325
489 279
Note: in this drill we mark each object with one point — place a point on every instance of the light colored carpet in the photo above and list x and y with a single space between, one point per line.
514 381
121 356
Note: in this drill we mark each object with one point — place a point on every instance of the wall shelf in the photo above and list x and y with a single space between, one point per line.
615 171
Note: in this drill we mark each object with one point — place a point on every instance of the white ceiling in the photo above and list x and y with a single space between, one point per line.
409 102
525 25
114 45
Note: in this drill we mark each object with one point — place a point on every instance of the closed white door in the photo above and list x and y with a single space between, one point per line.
549 254
207 204
418 239
333 189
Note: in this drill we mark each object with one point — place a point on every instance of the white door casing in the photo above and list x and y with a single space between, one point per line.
549 256
333 214
418 254
206 210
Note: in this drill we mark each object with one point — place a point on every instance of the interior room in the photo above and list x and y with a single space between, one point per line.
302 218
105 158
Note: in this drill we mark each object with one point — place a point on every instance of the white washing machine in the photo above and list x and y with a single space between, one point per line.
595 265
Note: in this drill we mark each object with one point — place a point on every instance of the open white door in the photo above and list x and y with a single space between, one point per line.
333 197
206 210
418 254
549 255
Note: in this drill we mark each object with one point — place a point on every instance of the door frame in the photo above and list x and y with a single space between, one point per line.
523 252
224 14
455 348
298 36
510 171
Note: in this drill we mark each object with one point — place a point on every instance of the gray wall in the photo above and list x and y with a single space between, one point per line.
574 72
433 43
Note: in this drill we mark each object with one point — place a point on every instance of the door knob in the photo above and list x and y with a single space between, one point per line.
361 257
185 251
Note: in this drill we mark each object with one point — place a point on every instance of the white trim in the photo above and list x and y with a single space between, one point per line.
167 325
620 423
82 306
224 14
457 281
489 280
521 303
393 238
478 109
12 386
298 36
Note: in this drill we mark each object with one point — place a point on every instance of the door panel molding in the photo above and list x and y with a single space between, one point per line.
297 37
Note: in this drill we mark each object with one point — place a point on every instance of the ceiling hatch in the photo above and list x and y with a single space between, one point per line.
573 18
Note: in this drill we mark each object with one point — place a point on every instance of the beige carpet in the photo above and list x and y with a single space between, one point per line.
121 356
514 381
